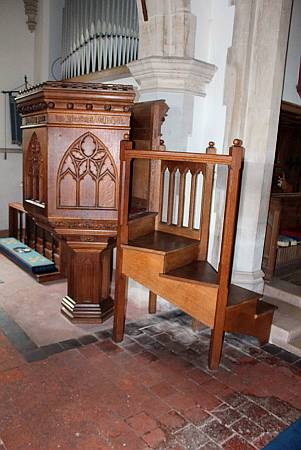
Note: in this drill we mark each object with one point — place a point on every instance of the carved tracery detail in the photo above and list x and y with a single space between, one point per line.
87 175
35 171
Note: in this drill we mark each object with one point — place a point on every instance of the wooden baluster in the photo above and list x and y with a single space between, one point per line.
20 226
192 200
206 204
152 303
44 241
161 197
35 236
52 248
181 199
27 230
171 193
13 222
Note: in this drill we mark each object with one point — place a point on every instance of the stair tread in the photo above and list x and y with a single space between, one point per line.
202 272
263 307
161 242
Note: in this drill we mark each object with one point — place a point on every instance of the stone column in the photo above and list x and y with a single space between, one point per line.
253 90
166 67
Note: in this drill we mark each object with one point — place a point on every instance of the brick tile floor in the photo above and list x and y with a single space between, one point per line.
152 391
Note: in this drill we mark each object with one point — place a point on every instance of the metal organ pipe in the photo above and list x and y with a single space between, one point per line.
98 35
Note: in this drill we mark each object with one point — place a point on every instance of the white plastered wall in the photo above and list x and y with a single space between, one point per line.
48 36
16 56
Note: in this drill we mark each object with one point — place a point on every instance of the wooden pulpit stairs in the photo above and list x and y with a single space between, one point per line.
166 248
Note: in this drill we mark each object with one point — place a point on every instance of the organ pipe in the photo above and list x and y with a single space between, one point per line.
98 35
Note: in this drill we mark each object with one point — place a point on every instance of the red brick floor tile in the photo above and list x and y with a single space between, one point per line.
172 421
210 446
108 347
226 414
216 431
264 440
271 423
16 433
150 377
155 438
191 437
237 443
163 389
248 429
145 357
215 387
106 396
252 411
206 400
155 407
134 348
235 399
141 423
128 440
180 401
198 375
91 442
196 415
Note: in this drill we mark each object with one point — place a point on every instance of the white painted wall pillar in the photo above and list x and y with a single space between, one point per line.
253 90
166 67
48 40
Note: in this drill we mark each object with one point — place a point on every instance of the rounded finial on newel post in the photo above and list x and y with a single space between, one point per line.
126 137
211 147
237 142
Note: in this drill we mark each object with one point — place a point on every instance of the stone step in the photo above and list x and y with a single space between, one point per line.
282 290
286 327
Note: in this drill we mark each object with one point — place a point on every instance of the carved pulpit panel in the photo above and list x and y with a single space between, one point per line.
34 177
87 175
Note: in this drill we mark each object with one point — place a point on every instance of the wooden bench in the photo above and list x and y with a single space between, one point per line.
284 213
23 227
166 249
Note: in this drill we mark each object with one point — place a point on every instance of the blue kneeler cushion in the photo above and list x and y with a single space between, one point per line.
26 257
289 439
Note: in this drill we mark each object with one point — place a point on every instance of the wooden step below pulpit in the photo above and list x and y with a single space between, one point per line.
71 136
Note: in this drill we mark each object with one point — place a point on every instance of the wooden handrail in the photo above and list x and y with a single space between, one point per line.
18 206
201 158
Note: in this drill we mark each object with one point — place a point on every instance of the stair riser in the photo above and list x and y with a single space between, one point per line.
197 301
286 335
259 327
248 307
142 226
180 258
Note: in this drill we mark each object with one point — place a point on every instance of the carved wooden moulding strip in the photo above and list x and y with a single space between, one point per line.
34 181
71 85
87 176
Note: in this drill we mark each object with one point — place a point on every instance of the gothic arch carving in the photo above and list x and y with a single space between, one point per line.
87 175
34 171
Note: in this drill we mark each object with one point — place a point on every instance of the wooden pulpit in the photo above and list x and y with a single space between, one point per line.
71 138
